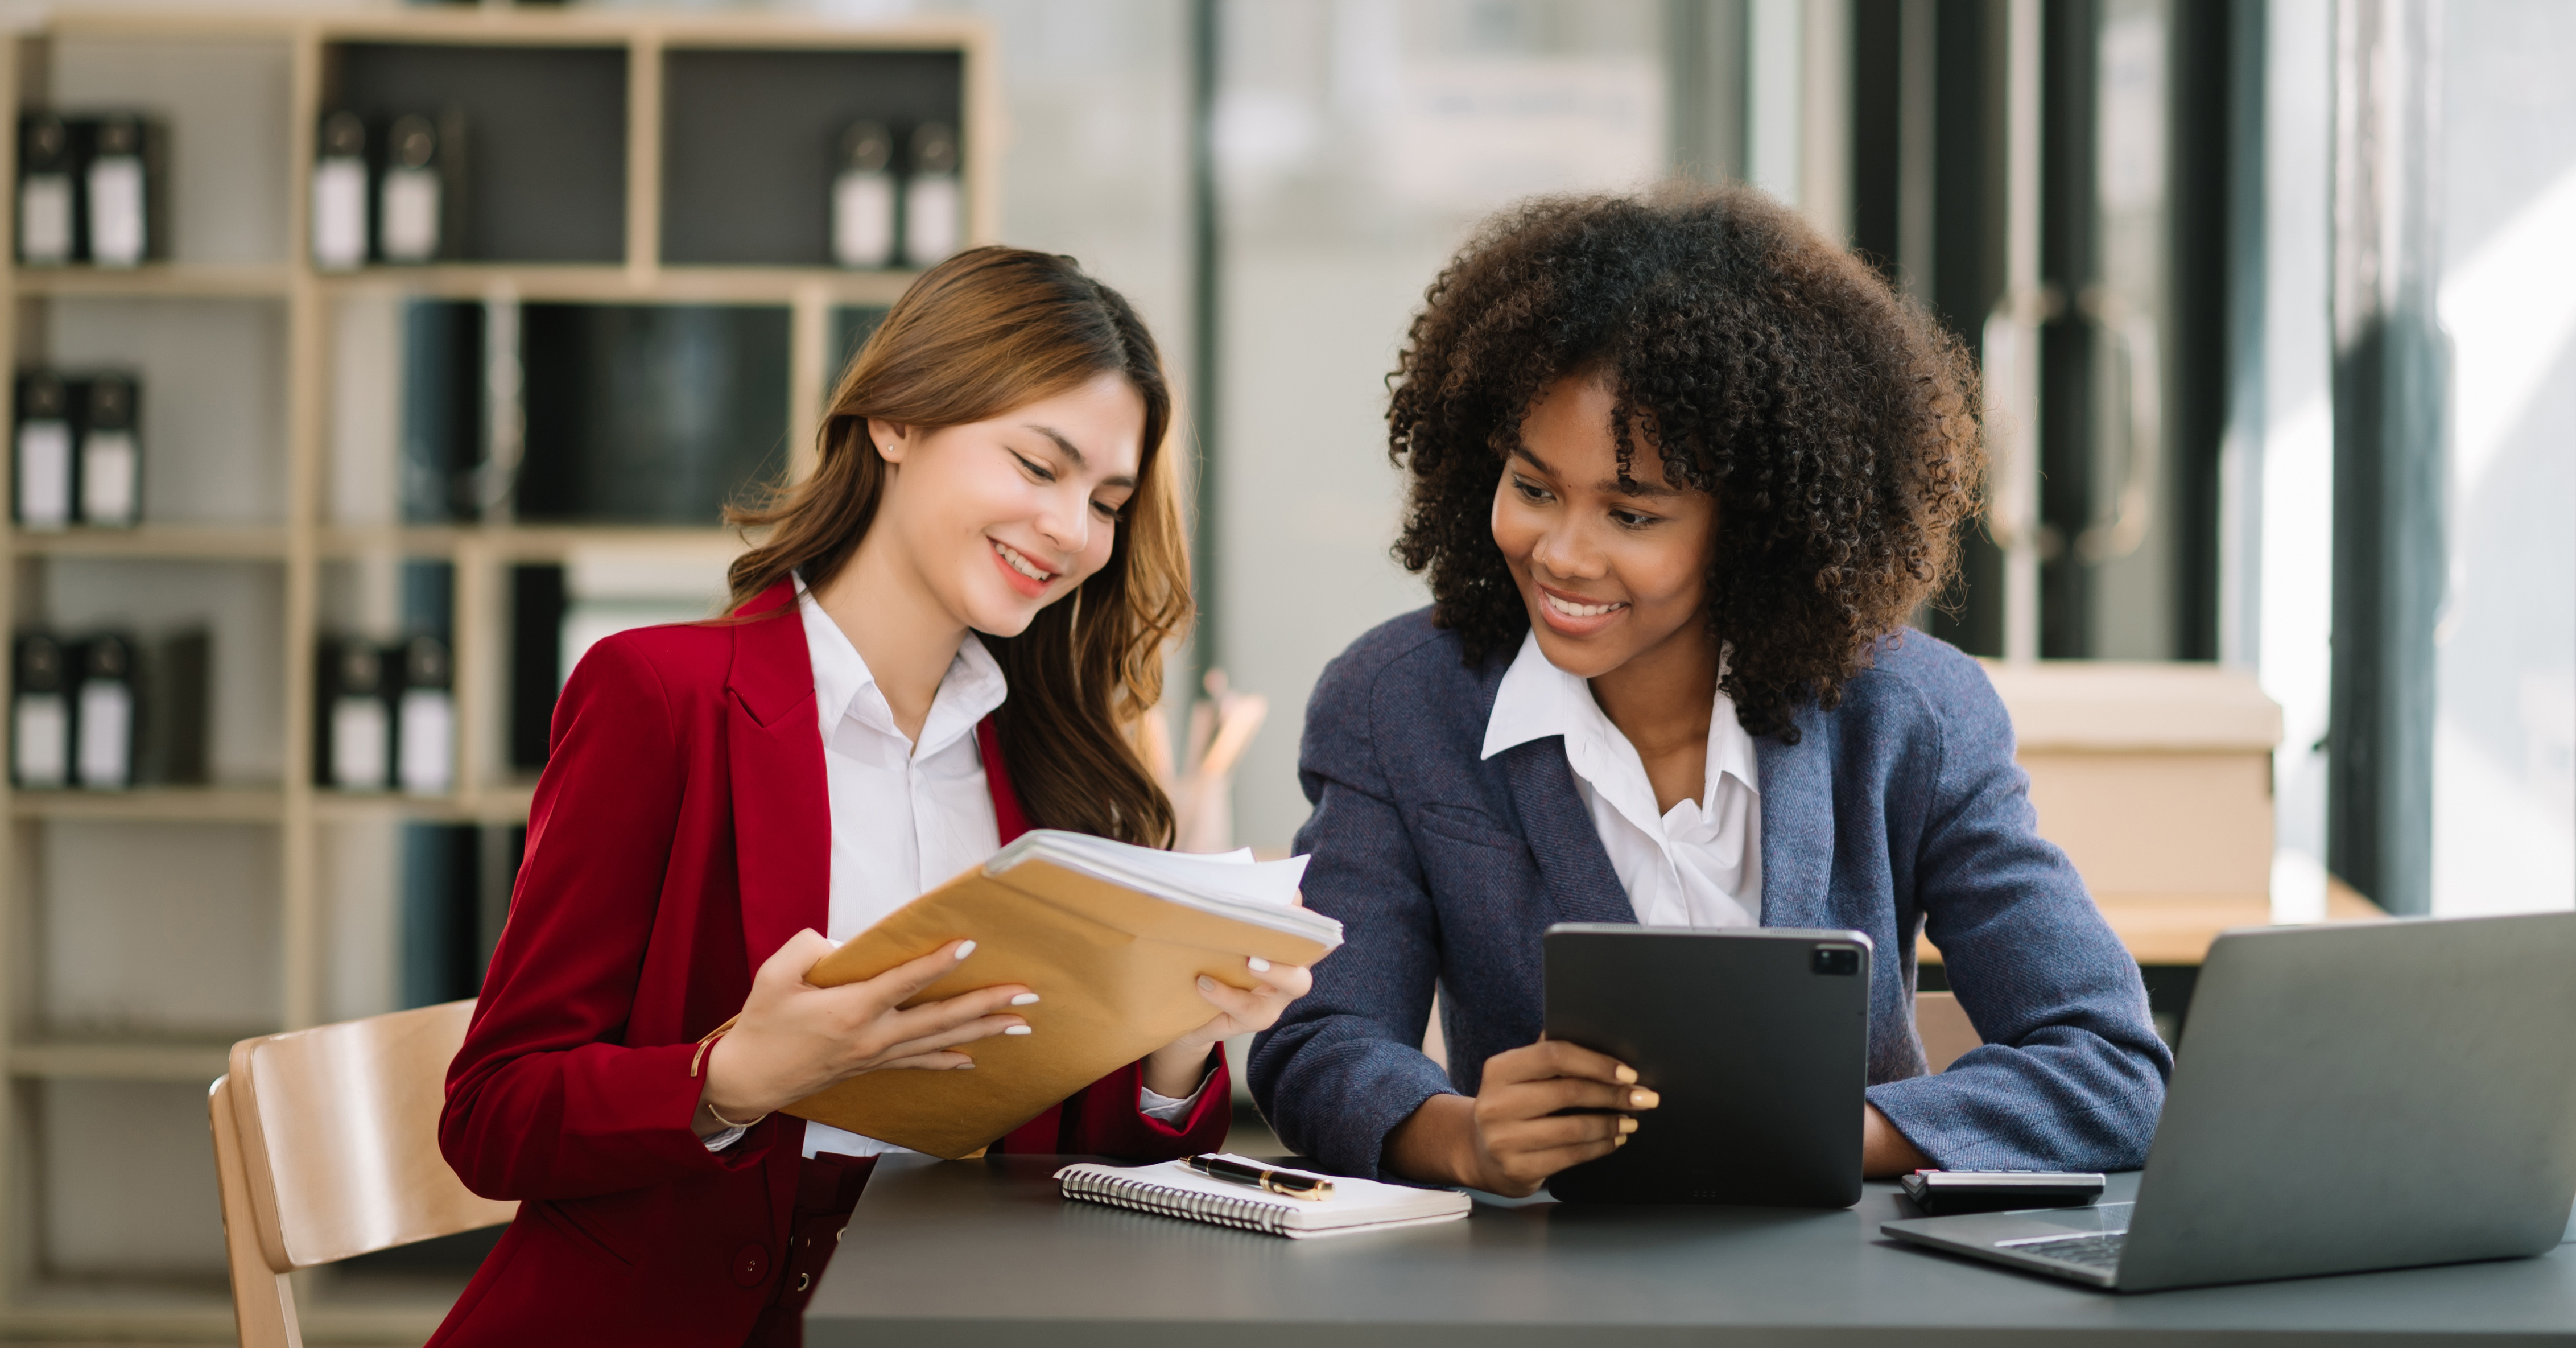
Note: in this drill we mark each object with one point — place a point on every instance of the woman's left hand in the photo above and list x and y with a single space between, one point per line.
1177 1068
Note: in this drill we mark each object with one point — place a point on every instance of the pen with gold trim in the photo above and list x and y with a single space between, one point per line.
1283 1182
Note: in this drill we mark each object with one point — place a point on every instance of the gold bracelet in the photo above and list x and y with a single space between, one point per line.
698 1059
710 1108
705 1042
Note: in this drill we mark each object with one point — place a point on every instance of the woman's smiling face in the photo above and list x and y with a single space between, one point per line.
1609 569
1008 515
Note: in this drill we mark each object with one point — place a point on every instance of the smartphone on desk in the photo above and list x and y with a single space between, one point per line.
1946 1193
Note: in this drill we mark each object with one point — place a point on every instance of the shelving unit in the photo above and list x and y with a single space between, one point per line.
144 930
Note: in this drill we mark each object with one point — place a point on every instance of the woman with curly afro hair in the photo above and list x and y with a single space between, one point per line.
1680 470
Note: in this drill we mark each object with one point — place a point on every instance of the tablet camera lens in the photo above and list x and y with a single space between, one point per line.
1837 960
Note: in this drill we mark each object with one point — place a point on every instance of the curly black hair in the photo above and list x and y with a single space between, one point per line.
1835 422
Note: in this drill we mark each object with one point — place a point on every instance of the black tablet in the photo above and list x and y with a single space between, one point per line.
1758 1041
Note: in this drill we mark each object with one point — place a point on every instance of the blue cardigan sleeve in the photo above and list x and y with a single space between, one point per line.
1343 1067
2072 1074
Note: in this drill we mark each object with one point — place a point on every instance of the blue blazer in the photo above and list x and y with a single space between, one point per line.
1900 811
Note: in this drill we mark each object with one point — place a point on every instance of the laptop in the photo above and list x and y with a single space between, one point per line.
2345 1098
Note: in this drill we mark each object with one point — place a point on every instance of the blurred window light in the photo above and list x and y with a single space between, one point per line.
1469 133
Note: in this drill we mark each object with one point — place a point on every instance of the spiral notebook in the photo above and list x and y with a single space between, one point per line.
1172 1189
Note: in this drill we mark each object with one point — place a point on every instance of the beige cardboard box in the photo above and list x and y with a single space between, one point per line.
2157 780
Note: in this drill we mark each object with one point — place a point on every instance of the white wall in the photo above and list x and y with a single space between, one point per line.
2295 550
2504 729
1358 142
2504 798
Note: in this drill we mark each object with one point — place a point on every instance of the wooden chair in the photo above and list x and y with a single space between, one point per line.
326 1147
1945 1028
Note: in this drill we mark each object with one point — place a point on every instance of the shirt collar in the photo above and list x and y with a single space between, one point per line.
1537 699
971 690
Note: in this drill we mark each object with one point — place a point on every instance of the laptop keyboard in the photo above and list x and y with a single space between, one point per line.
2098 1250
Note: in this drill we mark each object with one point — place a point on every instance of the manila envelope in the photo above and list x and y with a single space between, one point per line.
1116 971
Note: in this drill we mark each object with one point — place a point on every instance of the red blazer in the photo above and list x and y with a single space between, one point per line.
681 833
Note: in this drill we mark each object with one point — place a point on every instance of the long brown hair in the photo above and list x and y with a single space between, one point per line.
988 330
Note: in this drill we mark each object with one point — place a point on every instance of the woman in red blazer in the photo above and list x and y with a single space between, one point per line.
991 452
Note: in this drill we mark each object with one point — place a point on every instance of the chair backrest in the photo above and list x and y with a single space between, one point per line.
1946 1030
326 1145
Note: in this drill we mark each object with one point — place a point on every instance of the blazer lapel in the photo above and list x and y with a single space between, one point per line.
1009 819
1559 831
782 812
1797 826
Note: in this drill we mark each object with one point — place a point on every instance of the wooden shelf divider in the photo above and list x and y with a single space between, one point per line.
158 542
158 805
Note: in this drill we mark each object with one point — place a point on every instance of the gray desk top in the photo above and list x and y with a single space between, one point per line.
975 1252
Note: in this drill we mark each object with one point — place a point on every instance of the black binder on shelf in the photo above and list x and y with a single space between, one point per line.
103 717
934 198
648 413
444 417
863 197
177 721
420 189
122 215
410 206
425 719
40 714
341 196
442 953
43 465
353 744
48 194
538 600
110 472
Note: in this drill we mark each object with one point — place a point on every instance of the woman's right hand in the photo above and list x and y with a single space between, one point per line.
1513 1135
794 1039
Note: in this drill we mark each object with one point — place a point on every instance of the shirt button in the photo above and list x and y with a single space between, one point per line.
750 1266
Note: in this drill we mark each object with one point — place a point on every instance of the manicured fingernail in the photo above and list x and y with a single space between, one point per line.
1644 1099
965 948
1017 1029
1025 999
963 1065
1627 1126
1259 965
1206 984
1627 1075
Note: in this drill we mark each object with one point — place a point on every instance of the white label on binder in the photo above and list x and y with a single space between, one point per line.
428 721
932 208
116 211
41 740
107 478
44 474
863 220
409 225
358 733
106 735
340 212
45 219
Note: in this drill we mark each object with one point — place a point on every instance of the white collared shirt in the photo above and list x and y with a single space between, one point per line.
907 815
1698 864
